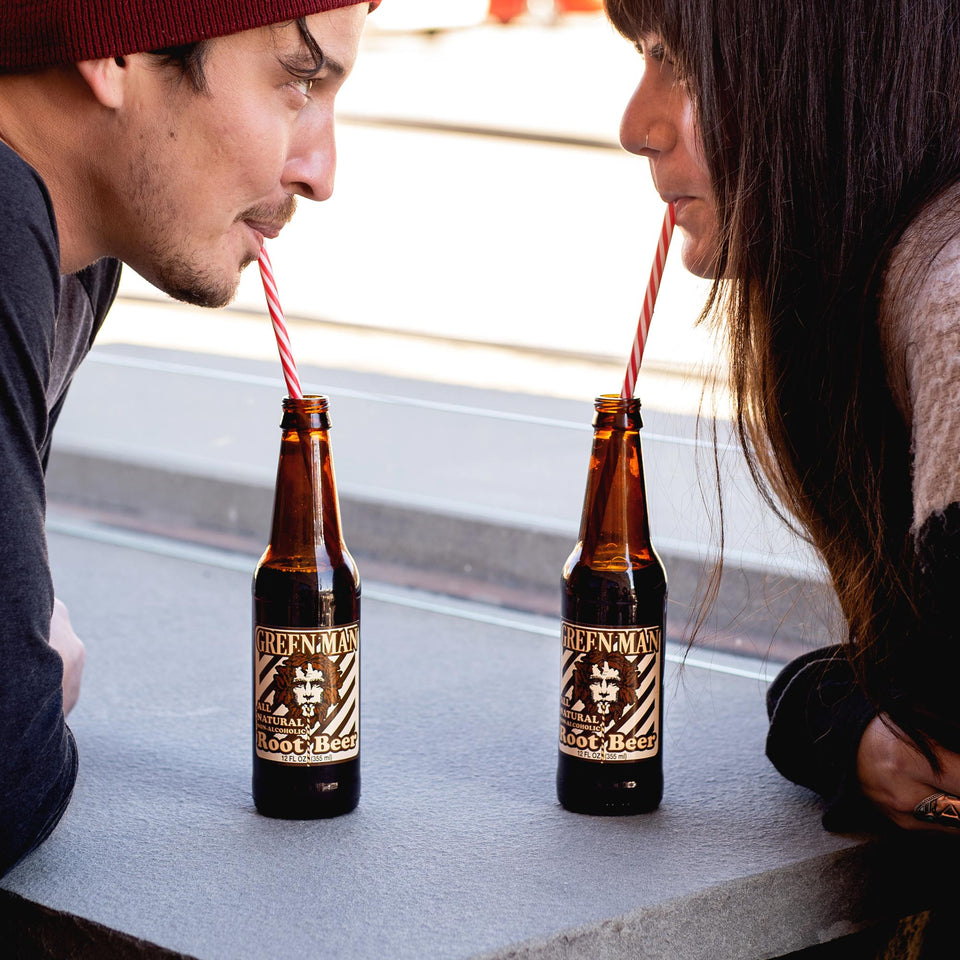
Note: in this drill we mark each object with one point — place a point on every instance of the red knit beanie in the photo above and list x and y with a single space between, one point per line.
42 33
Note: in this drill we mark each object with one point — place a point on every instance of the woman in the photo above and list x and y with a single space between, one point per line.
812 150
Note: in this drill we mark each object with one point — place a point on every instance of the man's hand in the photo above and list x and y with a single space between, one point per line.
70 648
895 776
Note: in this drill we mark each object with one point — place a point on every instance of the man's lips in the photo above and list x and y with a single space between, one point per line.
266 230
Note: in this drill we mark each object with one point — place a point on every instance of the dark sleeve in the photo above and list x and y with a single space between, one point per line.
38 759
817 716
934 675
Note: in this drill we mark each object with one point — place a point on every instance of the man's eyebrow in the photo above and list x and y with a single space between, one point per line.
304 65
334 66
309 59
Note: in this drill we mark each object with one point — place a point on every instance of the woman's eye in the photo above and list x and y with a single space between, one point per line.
658 52
653 50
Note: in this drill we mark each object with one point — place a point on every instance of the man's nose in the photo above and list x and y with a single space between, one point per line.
311 168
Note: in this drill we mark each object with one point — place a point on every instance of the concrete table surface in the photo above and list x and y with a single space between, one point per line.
458 848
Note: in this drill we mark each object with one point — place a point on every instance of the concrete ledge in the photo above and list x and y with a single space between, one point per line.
458 849
814 926
32 932
842 899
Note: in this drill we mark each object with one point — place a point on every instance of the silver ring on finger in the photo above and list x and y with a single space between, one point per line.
942 809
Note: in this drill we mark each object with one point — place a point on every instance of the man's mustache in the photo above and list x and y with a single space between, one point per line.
278 214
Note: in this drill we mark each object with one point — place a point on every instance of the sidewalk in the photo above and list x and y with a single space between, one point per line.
462 491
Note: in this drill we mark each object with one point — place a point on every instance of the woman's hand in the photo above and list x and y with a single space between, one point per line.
71 650
896 777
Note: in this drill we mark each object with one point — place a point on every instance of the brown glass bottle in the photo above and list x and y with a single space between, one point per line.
614 607
306 627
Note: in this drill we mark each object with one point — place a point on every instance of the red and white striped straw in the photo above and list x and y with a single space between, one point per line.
279 327
646 314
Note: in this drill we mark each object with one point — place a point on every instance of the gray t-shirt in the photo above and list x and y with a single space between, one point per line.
73 335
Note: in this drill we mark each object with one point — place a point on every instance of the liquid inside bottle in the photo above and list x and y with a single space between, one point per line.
306 610
610 758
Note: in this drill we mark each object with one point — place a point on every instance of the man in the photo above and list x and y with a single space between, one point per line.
173 136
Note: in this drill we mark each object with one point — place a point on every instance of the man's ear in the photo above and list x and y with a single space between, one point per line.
107 79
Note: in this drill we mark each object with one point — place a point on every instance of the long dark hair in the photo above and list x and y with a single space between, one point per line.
826 128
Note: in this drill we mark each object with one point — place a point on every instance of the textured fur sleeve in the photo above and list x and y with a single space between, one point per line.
920 329
920 326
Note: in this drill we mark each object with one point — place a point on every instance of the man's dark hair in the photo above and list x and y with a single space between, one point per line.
189 58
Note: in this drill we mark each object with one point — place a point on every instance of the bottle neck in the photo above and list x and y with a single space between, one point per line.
614 527
306 512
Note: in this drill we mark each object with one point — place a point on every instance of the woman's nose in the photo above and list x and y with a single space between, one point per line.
646 127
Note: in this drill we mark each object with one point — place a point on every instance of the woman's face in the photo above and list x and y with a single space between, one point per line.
659 124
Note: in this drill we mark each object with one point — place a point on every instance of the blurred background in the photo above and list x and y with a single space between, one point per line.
474 282
482 201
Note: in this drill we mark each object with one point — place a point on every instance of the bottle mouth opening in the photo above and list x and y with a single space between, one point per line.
309 403
309 412
625 411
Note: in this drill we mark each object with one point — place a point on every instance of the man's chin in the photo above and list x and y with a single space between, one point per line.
196 287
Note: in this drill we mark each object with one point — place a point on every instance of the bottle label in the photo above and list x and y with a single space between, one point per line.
307 694
610 692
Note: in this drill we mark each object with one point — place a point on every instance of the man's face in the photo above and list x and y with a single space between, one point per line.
308 689
604 686
210 174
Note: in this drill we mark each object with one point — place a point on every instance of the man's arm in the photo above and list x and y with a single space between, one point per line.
38 757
